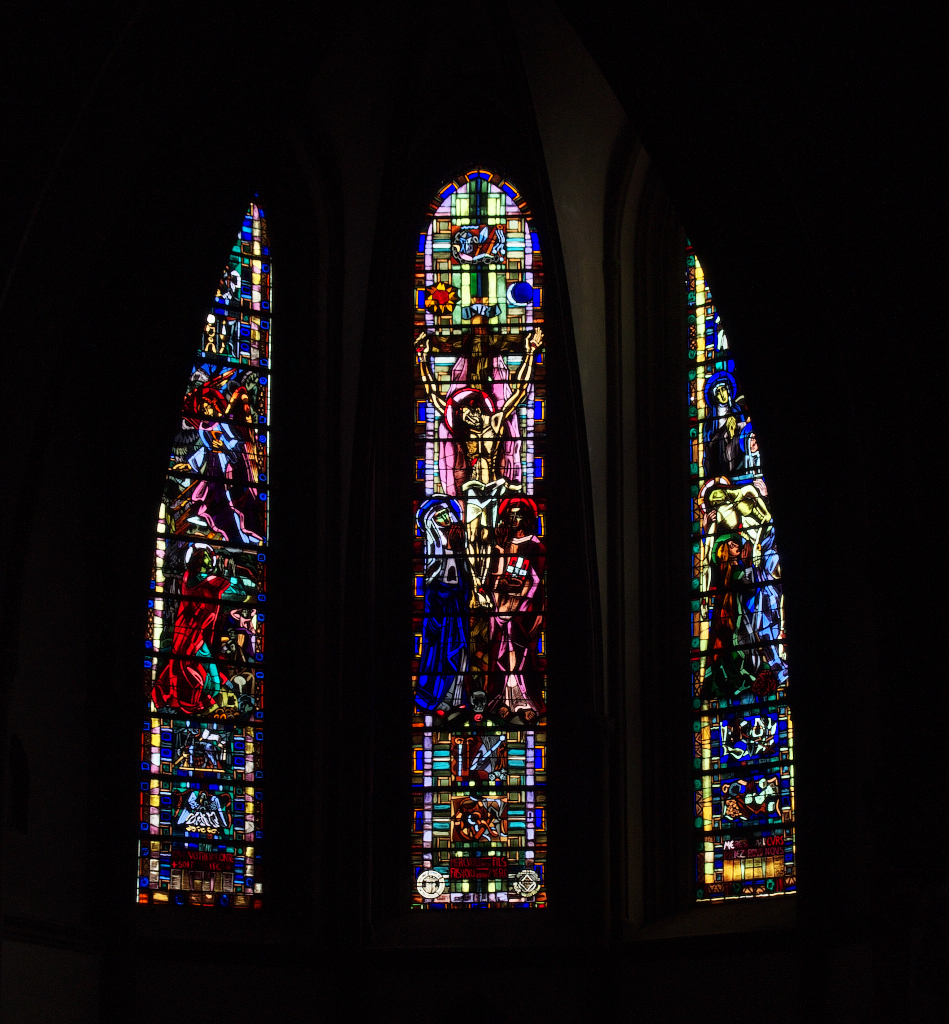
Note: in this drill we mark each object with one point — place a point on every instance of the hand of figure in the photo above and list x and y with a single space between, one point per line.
423 345
534 341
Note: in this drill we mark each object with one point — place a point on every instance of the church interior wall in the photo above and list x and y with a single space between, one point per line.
757 133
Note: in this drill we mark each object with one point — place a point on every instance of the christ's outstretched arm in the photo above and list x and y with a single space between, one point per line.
423 345
522 377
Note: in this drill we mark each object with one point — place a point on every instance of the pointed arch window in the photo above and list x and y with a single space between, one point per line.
202 735
479 684
743 737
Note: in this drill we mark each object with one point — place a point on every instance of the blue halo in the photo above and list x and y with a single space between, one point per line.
723 376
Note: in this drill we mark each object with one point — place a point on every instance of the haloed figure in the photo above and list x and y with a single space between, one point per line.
447 589
481 365
478 431
723 427
517 585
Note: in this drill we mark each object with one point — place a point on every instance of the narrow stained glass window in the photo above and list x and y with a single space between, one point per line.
743 754
479 684
202 735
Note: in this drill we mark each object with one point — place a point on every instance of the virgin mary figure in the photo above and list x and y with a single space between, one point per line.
440 686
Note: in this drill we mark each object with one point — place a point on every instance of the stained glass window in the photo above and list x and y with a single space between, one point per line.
743 738
478 682
202 734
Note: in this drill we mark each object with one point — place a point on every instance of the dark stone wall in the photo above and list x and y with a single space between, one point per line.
795 151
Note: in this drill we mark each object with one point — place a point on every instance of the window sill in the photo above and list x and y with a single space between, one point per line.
776 913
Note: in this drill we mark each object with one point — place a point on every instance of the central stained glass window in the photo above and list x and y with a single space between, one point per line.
478 678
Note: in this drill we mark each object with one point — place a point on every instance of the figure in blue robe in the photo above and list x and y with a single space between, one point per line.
447 589
723 425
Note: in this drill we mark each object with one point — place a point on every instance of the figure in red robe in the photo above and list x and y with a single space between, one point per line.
517 585
183 684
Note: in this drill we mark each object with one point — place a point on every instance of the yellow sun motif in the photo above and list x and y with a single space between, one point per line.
440 298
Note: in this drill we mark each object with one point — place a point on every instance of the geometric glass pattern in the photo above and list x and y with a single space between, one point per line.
743 740
478 750
202 735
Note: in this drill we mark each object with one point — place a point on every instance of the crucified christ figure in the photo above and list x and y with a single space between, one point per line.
477 430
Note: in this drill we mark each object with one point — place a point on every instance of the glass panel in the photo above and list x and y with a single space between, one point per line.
202 764
478 768
743 737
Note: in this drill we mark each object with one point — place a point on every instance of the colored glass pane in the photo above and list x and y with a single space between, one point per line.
743 737
205 651
479 828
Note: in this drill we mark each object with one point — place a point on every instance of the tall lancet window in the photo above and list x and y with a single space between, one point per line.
479 684
744 747
202 736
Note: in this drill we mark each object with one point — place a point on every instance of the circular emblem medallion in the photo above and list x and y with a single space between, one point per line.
431 884
527 882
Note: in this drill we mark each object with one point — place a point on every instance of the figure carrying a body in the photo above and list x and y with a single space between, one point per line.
741 574
216 445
